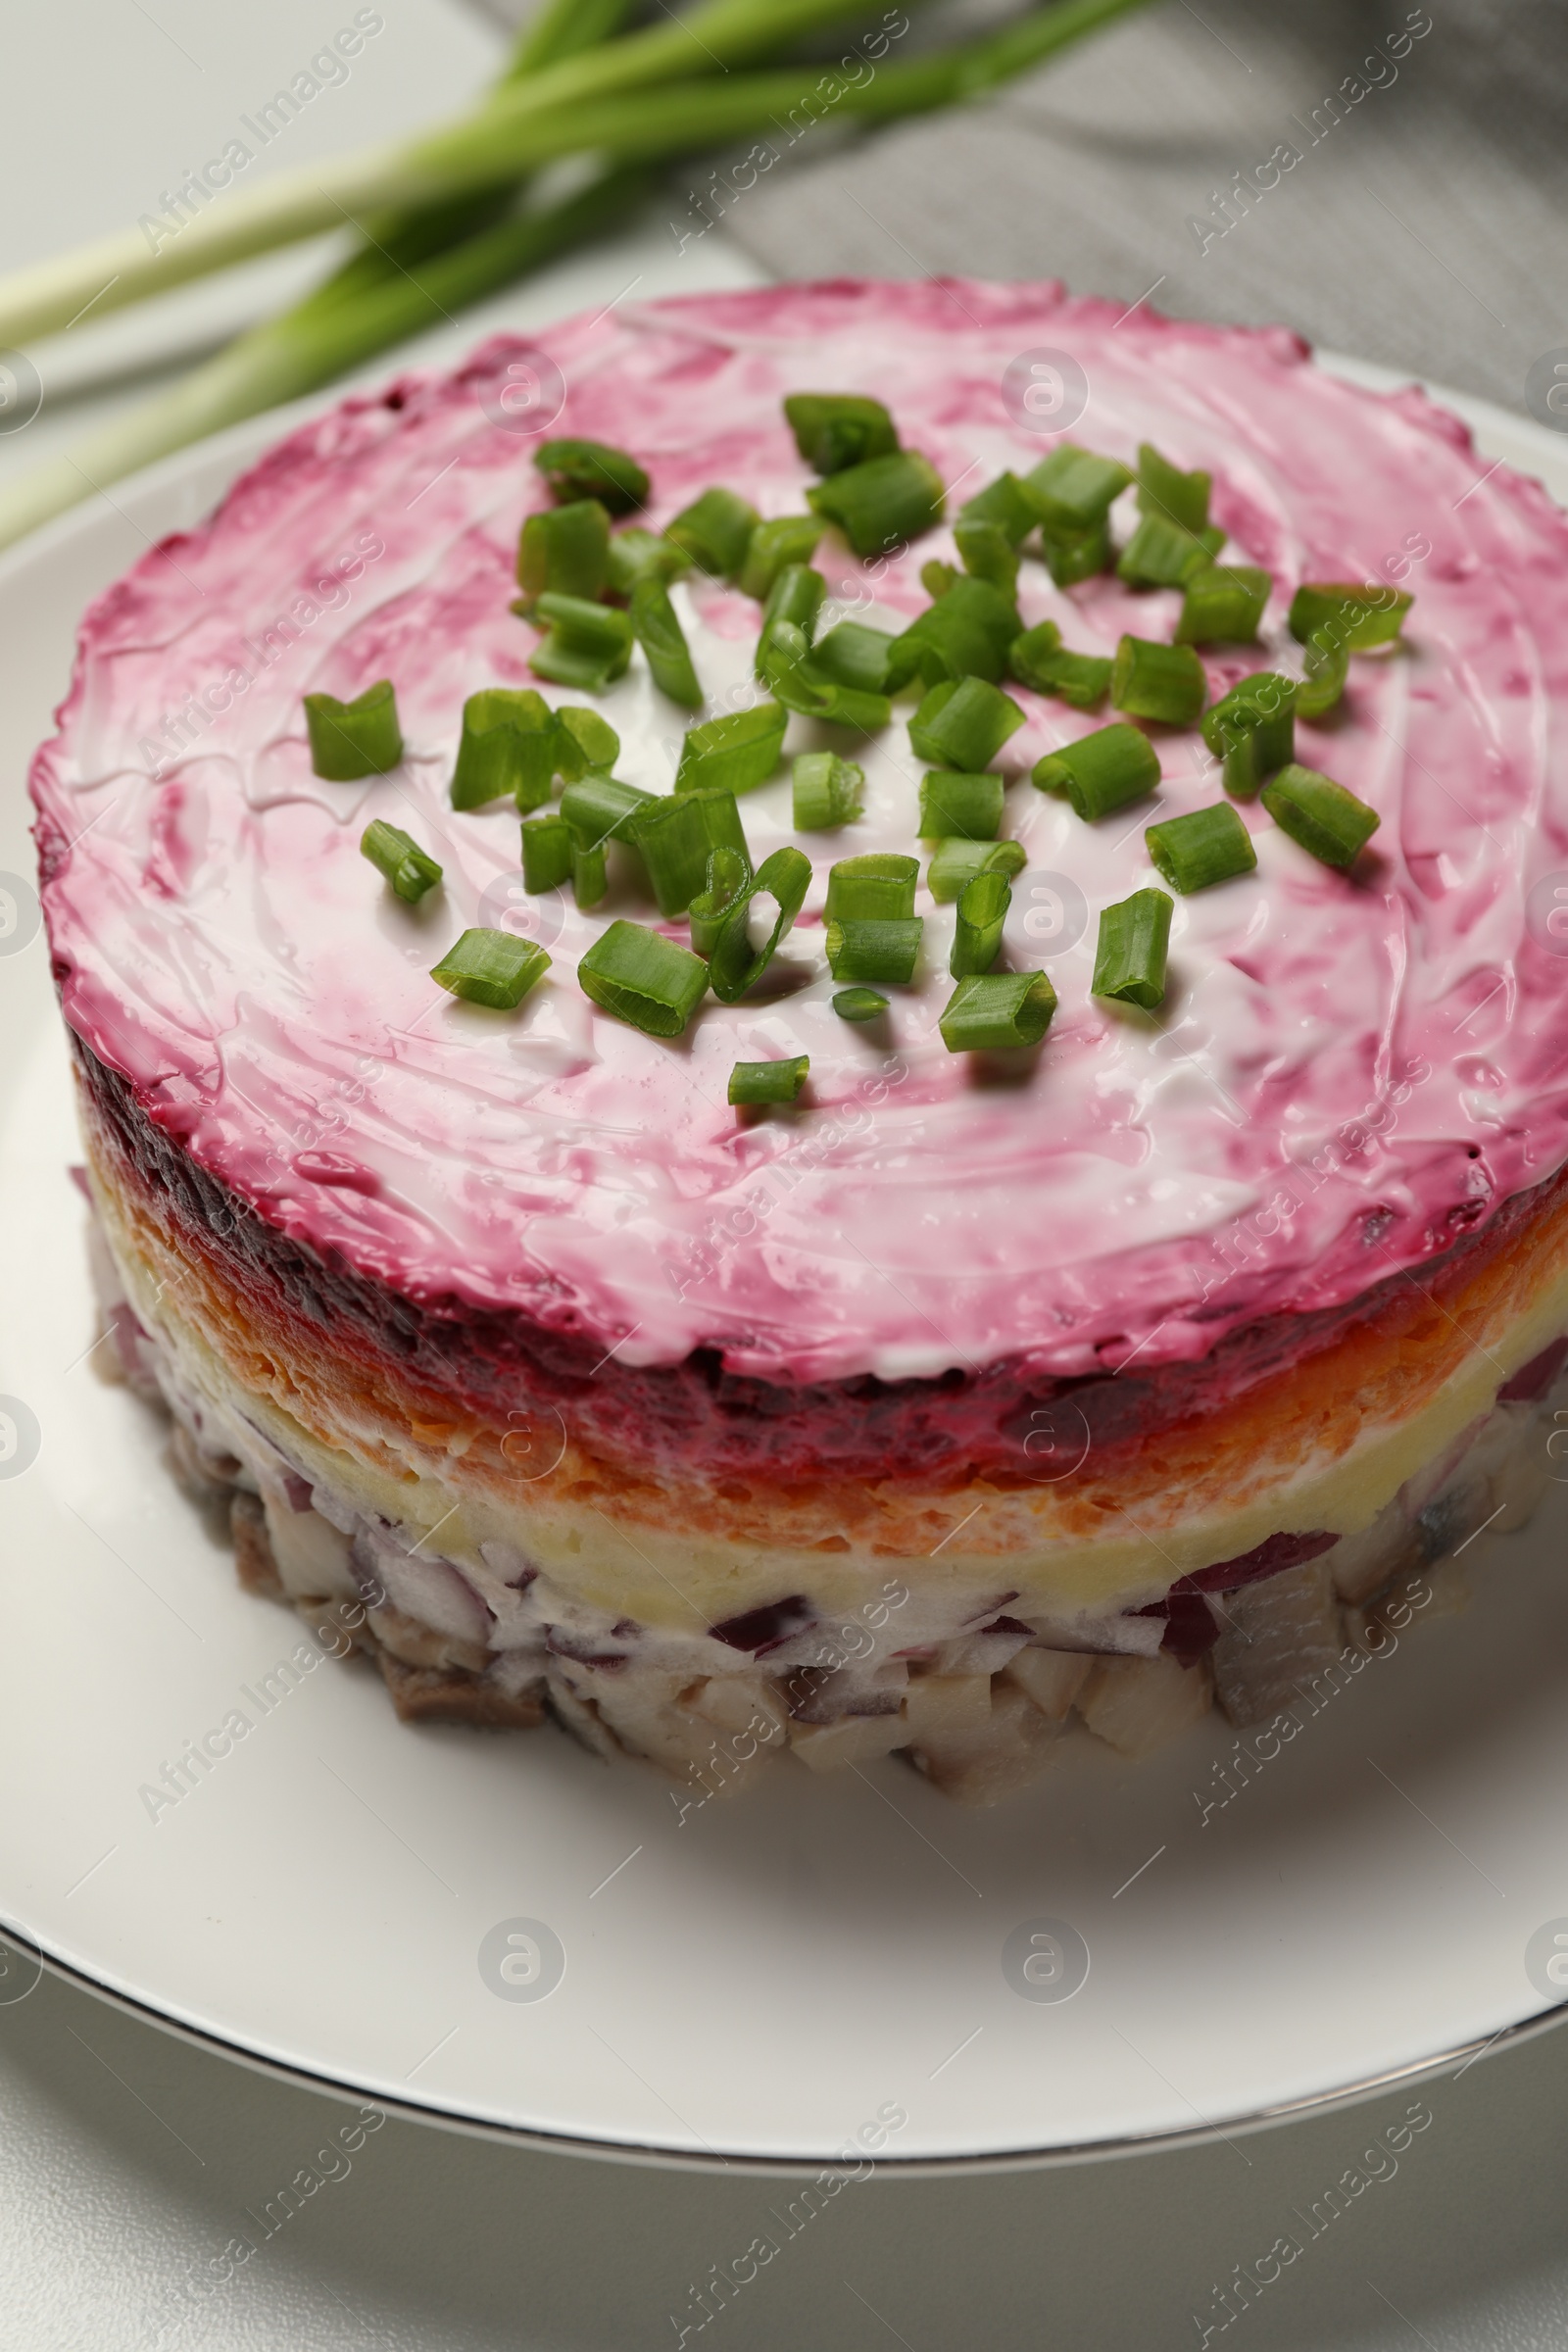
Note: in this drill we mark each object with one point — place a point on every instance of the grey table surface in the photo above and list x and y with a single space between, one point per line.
1420 230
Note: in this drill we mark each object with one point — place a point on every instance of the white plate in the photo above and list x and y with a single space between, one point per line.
757 1981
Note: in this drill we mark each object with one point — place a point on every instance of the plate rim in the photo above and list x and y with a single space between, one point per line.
657 2155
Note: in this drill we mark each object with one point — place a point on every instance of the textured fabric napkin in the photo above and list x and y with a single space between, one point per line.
1420 224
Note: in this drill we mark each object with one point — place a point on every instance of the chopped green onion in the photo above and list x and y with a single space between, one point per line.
796 598
583 740
590 873
1161 554
1073 490
1223 601
585 645
738 751
874 951
736 962
963 723
1252 729
882 503
952 800
768 1081
507 746
876 888
1130 958
835 431
643 978
1040 660
583 469
1206 846
491 967
547 848
1163 489
1102 771
860 1003
788 669
1032 645
657 628
714 531
1007 504
788 539
601 808
677 836
401 860
639 554
966 633
977 936
783 662
828 791
350 740
1165 682
1348 616
937 578
956 861
1073 556
729 878
1326 670
990 1011
988 554
512 742
563 551
1320 815
852 655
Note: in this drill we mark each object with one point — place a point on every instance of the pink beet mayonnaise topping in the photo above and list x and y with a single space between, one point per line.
1344 1073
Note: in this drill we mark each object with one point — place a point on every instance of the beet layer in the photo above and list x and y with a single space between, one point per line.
1005 1423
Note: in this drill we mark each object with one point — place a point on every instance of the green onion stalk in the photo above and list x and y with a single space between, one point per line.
440 220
